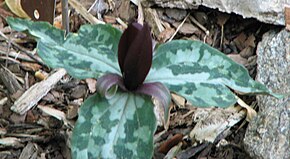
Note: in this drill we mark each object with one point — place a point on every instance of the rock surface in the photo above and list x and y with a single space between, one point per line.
268 135
268 11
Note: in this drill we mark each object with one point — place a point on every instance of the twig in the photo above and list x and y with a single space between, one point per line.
200 26
178 28
92 6
16 56
22 49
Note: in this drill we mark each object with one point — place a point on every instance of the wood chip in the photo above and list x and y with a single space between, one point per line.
34 94
11 141
30 151
9 80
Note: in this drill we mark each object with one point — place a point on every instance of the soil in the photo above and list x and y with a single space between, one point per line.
39 135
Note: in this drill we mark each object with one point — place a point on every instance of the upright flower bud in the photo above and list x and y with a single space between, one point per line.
135 55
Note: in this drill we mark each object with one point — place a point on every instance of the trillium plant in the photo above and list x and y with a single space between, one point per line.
119 121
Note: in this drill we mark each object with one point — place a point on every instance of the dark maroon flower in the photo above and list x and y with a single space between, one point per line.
135 55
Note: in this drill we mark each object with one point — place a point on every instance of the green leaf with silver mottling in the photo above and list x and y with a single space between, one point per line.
201 73
89 53
119 127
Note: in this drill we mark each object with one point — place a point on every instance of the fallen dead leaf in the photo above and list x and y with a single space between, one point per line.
247 52
91 83
178 100
237 58
166 34
251 113
240 41
110 19
222 18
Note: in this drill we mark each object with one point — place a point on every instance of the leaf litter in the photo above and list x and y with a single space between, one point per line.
44 128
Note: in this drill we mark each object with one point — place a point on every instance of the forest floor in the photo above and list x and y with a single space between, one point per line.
39 134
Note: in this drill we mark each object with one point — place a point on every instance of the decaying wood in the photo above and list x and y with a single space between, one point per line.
9 80
35 93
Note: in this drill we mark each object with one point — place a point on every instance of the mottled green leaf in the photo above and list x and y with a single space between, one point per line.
201 73
119 127
89 53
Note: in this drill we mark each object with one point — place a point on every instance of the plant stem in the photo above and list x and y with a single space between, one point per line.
65 16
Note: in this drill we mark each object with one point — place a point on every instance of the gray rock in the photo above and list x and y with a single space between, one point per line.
267 11
268 135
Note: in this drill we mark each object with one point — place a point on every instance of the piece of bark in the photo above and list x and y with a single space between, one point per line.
35 93
9 80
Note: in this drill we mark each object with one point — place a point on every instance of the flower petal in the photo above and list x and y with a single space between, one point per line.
138 59
126 40
107 85
160 92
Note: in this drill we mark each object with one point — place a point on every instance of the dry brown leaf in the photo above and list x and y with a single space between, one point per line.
247 52
238 59
222 19
72 111
166 34
240 41
251 113
250 41
91 84
178 100
29 66
15 7
109 19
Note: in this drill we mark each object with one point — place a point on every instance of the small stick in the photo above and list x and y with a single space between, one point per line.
178 28
22 49
16 56
199 25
